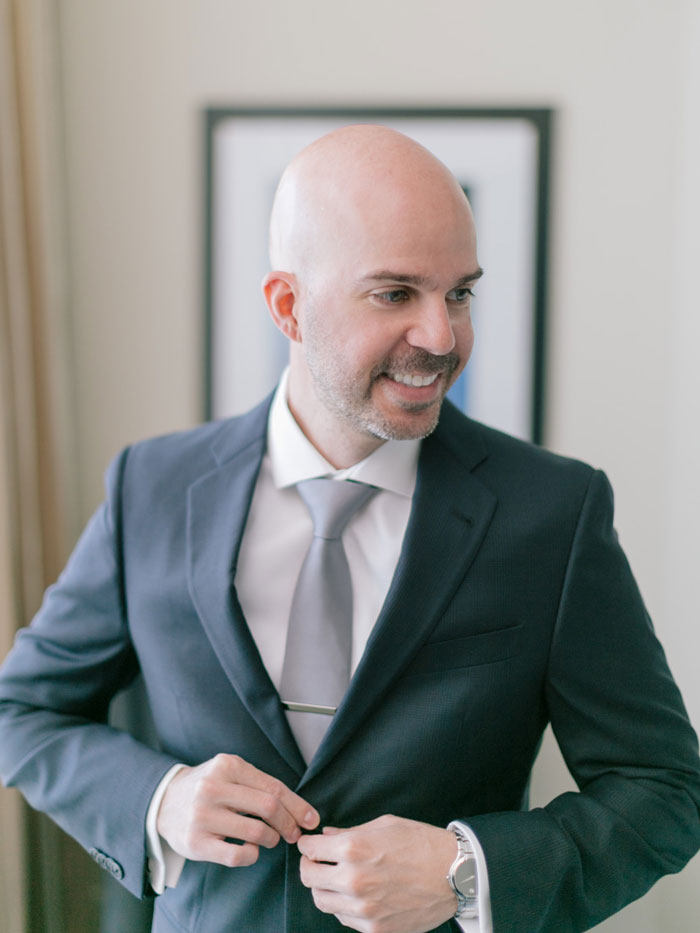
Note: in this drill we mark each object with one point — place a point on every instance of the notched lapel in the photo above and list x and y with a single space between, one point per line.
218 506
451 513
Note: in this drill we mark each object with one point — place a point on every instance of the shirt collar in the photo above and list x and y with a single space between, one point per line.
392 466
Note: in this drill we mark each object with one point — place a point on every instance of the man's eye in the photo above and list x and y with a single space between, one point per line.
394 297
460 294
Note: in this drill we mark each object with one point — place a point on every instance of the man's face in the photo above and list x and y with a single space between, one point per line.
385 325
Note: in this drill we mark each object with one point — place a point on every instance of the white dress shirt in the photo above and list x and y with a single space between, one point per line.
274 543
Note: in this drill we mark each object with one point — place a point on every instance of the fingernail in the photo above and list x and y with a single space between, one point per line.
311 818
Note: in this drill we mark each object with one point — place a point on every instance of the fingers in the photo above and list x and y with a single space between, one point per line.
228 824
388 874
336 890
336 845
319 874
275 802
237 801
229 854
228 798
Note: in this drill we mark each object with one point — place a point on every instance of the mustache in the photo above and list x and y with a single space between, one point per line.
420 360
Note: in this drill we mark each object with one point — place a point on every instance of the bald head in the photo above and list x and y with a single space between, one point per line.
373 251
341 186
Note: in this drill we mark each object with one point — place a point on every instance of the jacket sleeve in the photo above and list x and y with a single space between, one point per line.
56 686
621 725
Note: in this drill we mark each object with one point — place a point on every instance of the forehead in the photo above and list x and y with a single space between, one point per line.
423 237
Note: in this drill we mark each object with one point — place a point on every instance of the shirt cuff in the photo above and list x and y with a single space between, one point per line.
164 864
482 923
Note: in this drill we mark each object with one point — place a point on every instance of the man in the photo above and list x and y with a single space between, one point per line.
489 596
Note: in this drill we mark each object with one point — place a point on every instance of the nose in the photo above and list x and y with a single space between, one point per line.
432 328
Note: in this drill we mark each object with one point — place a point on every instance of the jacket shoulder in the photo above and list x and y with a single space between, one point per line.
502 461
181 457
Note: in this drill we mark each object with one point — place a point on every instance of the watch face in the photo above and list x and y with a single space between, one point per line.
465 877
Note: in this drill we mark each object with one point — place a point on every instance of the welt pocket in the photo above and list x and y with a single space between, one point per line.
468 651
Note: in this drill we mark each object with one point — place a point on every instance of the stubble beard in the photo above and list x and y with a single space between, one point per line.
338 391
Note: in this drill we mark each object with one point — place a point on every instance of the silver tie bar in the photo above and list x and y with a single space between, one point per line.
308 708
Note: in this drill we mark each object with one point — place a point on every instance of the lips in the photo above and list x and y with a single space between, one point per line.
417 368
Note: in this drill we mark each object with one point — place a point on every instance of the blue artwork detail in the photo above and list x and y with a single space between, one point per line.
459 393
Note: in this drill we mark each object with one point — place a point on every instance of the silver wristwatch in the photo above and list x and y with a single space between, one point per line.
462 877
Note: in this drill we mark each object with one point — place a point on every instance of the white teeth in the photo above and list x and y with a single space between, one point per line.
415 380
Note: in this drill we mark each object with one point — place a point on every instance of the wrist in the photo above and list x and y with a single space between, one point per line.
168 809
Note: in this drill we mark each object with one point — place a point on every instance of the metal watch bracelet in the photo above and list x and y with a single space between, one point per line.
462 876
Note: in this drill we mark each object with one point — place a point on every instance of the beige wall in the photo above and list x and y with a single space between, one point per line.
623 384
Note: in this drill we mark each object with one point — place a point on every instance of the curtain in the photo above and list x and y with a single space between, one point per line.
38 488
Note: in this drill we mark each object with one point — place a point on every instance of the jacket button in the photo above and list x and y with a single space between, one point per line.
109 864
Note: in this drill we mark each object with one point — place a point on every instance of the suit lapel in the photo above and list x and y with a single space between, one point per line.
450 515
217 510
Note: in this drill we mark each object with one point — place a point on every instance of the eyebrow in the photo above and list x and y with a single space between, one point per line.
420 281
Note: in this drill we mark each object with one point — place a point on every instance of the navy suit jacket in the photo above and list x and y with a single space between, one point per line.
512 606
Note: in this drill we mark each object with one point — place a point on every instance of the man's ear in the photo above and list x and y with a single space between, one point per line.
281 294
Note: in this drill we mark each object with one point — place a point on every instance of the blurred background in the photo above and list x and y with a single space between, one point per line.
101 283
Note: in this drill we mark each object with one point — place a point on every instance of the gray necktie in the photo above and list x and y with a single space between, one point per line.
316 669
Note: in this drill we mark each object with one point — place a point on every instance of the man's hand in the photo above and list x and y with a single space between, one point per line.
227 798
384 876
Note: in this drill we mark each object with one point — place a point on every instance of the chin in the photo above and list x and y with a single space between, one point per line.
405 427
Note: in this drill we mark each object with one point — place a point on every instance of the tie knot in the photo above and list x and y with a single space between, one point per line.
332 503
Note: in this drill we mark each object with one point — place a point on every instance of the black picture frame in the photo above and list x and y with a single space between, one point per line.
510 175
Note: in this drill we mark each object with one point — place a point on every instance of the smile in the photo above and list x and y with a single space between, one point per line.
408 380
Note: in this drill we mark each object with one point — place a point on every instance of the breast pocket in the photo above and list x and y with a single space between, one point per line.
468 651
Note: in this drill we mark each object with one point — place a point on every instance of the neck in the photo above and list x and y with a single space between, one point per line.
340 449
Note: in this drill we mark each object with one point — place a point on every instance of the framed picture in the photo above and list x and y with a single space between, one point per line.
501 157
